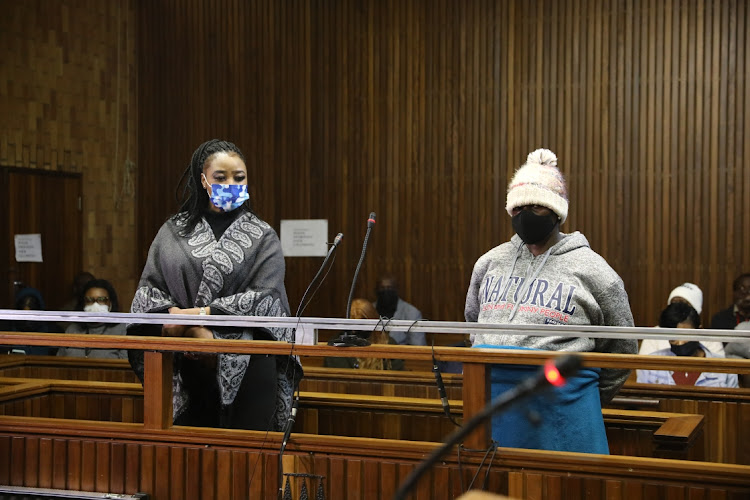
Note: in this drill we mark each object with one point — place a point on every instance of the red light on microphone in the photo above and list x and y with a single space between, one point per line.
552 374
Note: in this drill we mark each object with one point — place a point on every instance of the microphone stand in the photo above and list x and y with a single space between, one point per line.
295 399
560 368
349 339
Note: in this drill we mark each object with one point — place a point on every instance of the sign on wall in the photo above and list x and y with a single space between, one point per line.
28 247
304 237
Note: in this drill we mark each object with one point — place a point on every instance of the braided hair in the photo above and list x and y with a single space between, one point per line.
190 194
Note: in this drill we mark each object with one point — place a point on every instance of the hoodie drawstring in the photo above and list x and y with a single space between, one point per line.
528 280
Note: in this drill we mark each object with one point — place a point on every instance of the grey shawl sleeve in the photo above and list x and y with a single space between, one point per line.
150 297
616 309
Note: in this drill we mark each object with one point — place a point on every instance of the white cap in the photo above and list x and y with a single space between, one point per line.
691 293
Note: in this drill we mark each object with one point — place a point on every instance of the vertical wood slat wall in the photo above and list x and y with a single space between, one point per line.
421 111
176 471
68 104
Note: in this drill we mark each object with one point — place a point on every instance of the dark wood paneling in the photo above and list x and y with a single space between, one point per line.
60 224
421 111
351 468
70 105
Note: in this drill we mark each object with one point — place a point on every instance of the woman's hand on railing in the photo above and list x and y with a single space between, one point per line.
171 330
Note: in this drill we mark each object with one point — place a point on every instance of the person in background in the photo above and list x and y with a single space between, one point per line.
30 299
363 309
97 296
739 311
390 306
216 257
543 276
740 350
76 289
688 293
683 315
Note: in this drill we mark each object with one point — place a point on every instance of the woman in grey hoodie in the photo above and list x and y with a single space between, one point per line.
543 276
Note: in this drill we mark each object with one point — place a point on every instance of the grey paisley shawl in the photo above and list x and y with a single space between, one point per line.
240 274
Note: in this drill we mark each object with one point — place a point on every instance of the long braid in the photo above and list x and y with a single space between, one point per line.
191 196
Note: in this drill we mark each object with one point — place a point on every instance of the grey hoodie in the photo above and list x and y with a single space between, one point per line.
569 285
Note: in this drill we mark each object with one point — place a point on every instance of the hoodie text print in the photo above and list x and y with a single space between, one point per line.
568 285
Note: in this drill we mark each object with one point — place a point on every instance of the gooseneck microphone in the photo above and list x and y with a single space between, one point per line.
554 373
295 397
348 339
370 225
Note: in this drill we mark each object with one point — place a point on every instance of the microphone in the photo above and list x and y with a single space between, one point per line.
284 441
349 339
553 373
300 309
289 425
336 242
441 387
443 396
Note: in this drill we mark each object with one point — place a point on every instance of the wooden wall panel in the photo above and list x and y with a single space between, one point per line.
421 111
113 465
68 103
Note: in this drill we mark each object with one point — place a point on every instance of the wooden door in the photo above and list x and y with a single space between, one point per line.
47 203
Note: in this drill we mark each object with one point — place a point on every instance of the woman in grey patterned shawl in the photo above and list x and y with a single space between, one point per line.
215 256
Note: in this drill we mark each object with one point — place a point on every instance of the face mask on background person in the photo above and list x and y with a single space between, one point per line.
387 302
533 228
686 349
227 197
96 308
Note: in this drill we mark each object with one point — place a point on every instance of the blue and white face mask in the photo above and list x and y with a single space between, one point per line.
228 197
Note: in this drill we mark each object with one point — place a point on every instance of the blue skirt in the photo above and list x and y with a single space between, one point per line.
567 418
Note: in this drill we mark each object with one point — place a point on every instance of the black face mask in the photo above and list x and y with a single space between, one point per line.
686 349
387 302
533 228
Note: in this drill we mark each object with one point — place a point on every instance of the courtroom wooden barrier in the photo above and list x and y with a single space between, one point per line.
68 399
174 462
65 368
634 433
726 435
195 463
725 410
405 384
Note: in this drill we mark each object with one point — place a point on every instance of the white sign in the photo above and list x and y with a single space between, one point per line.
304 238
28 247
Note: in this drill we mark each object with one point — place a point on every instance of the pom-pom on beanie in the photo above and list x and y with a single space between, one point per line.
539 182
